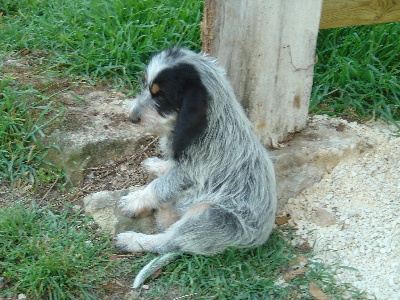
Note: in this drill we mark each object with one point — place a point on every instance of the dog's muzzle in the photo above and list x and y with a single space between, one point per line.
136 112
134 117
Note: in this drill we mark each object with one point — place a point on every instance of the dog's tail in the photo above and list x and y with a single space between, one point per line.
153 266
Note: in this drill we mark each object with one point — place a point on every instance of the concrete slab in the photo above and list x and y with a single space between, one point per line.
95 129
315 151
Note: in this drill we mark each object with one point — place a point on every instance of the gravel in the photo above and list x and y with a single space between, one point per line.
353 215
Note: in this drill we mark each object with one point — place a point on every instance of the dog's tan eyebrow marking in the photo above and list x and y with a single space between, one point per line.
155 88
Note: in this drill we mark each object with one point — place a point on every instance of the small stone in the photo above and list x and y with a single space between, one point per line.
77 208
388 226
391 282
323 218
88 244
352 213
329 196
21 296
132 295
102 206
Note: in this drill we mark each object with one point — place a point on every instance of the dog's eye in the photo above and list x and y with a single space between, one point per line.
164 106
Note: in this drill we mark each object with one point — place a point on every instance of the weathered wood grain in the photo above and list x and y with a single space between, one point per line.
340 13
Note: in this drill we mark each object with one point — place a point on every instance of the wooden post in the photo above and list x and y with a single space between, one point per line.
268 50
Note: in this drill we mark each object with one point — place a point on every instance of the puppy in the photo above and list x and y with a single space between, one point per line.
216 183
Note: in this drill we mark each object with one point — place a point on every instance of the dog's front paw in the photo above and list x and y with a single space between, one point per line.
132 242
138 204
156 166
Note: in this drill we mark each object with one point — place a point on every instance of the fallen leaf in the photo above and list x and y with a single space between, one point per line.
294 273
121 256
282 220
109 285
115 257
340 127
156 273
299 261
317 293
322 105
304 247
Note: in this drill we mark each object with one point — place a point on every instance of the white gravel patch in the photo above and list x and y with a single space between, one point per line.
353 215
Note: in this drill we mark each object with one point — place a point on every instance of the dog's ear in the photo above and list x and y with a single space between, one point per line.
192 118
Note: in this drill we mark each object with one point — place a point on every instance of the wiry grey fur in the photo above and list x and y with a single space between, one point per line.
219 192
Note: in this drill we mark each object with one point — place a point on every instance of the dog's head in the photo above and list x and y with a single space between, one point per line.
174 99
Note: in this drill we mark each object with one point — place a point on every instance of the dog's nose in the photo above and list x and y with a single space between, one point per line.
136 112
134 118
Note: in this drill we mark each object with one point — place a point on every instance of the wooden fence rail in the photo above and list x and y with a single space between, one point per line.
339 13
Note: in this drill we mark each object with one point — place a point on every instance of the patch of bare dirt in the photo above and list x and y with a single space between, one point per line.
79 99
117 175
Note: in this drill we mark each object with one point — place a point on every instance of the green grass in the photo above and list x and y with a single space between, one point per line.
101 39
51 256
249 274
24 115
358 73
57 256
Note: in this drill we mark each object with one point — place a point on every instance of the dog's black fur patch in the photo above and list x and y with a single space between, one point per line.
181 90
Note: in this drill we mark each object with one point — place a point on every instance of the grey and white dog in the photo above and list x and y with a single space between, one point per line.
216 183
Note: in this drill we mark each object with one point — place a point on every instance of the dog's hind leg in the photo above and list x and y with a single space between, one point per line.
205 228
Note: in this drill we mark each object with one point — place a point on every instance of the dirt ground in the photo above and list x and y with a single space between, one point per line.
114 174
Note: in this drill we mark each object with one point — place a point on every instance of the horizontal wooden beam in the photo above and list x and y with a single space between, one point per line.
340 13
